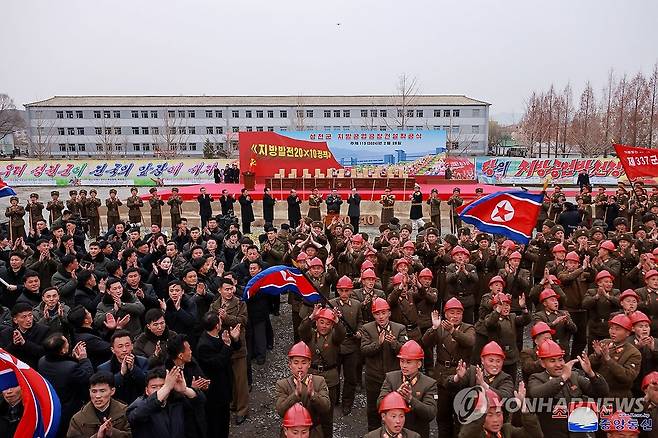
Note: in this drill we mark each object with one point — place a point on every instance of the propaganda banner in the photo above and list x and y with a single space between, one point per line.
120 172
534 171
638 162
266 153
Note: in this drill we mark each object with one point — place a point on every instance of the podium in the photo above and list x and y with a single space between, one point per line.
249 179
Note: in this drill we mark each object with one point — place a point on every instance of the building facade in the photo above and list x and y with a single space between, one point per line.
167 126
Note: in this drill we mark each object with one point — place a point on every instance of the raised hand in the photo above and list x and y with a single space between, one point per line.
436 319
121 323
110 322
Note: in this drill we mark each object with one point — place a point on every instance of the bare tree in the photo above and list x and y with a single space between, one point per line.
299 123
170 135
653 86
567 95
108 135
585 123
404 101
10 119
638 101
41 138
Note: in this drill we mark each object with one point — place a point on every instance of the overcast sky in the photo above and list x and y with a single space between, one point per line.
493 50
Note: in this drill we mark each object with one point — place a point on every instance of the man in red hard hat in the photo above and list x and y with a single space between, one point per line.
367 293
402 299
530 362
559 381
393 409
600 301
297 423
616 359
496 286
605 260
517 282
650 402
646 344
381 341
549 281
321 278
622 425
575 280
348 357
649 298
461 281
628 301
484 260
507 327
454 340
417 389
558 320
426 298
324 339
301 387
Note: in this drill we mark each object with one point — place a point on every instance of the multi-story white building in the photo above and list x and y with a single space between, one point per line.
102 126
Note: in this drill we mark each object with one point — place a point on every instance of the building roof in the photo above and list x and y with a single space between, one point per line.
179 101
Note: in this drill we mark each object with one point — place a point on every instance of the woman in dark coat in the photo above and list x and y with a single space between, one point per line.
246 211
294 212
268 207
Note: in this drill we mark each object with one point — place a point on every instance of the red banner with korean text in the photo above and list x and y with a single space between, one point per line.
266 153
638 162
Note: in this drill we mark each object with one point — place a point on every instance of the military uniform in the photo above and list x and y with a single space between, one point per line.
15 214
379 360
388 203
435 212
599 310
454 202
403 311
506 330
134 204
383 433
563 330
501 383
423 399
622 368
55 208
156 210
463 287
348 358
318 404
366 297
600 202
314 203
93 214
575 285
175 210
35 211
649 304
113 217
72 204
530 363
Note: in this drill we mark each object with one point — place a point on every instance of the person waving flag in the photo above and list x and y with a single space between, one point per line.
281 279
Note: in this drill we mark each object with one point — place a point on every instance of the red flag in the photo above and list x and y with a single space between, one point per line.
638 162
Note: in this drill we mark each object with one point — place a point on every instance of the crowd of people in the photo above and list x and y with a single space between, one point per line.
144 333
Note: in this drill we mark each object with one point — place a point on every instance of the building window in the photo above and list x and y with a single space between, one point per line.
476 112
248 129
193 146
81 147
98 130
364 113
182 130
283 128
183 147
145 114
106 114
259 129
60 114
209 130
283 114
309 113
154 114
270 129
436 128
219 114
336 113
116 114
134 114
383 113
347 113
118 147
259 114
400 113
235 129
419 113
475 129
219 130
410 113
69 114
155 130
81 131
455 129
373 113
71 148
135 130
446 113
108 131
78 114
136 147
172 130
171 114
146 147
455 113
191 114
208 114
181 114
70 131
145 130
62 147
117 131
247 114
270 114
327 113
192 130
97 115
300 114
235 114
60 131
437 113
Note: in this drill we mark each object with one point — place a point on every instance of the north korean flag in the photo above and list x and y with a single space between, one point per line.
511 214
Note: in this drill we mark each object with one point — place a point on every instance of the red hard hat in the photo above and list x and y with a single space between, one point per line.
326 313
300 349
508 244
397 278
409 244
554 279
607 244
650 378
650 274
638 316
559 248
370 252
549 348
501 298
314 262
379 304
492 348
401 261
302 256
651 256
515 255
546 294
457 250
622 321
497 279
344 282
367 265
368 273
621 422
426 273
603 274
539 328
628 293
655 251
453 303
357 238
297 416
573 256
393 400
411 350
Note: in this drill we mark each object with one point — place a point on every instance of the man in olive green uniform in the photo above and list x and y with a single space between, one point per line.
15 214
388 202
92 205
175 209
600 302
73 203
113 203
34 209
156 207
314 203
55 207
435 209
134 204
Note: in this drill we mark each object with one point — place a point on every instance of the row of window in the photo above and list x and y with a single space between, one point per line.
259 114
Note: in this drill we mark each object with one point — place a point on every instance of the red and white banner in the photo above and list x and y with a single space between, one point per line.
638 162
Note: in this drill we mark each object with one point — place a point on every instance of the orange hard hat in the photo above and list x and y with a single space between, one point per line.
508 244
492 348
621 422
453 303
426 273
650 274
297 416
622 321
411 350
603 274
638 316
397 278
326 313
367 265
409 244
546 294
573 256
399 262
628 293
393 400
607 244
368 273
497 279
357 238
344 282
379 304
370 252
539 328
549 348
459 250
501 298
559 248
651 378
300 349
314 262
515 255
302 256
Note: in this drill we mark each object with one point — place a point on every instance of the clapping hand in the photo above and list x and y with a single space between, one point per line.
436 319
